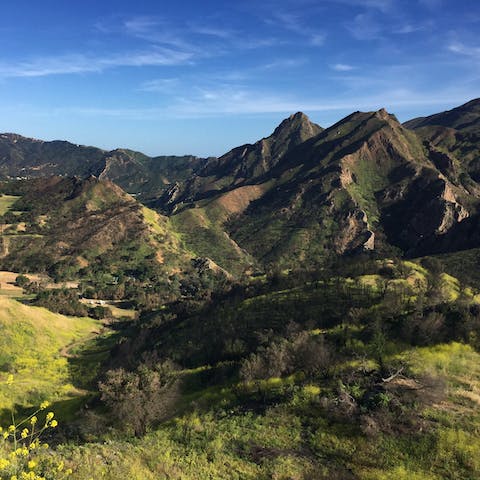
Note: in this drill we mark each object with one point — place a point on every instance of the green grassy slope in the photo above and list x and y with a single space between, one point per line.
204 235
91 230
34 347
6 202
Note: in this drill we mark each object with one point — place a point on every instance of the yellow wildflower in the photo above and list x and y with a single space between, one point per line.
34 420
50 415
53 423
24 433
44 405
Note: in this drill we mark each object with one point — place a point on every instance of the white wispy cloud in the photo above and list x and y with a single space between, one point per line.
141 24
431 4
317 39
241 100
80 63
157 31
408 28
342 67
203 39
211 31
381 5
462 49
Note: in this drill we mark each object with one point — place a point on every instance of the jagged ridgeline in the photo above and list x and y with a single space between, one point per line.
368 183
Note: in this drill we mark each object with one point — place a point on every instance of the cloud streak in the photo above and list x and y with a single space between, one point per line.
243 101
80 63
294 23
466 50
342 67
364 27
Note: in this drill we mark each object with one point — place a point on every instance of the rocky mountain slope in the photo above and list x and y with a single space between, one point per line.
463 118
366 183
293 198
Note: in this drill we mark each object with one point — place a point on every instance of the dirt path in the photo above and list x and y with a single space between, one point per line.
65 351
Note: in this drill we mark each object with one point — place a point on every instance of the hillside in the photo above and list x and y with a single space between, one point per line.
244 165
465 118
90 229
34 347
366 183
356 374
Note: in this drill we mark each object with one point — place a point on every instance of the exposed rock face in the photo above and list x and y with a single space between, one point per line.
354 234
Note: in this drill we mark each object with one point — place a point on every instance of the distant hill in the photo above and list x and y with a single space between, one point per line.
133 171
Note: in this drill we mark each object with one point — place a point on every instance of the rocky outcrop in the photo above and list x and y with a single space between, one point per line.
354 234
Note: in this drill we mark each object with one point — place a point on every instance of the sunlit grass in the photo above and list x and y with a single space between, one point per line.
33 347
6 202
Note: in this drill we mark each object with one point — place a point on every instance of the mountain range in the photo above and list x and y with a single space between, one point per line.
367 183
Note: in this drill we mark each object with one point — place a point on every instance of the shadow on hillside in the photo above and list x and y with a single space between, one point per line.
65 410
85 360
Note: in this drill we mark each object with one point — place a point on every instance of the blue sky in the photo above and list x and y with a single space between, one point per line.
200 77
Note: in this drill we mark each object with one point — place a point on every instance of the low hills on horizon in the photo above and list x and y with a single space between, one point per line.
367 183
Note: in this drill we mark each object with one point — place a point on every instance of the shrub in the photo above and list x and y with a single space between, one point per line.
141 398
21 281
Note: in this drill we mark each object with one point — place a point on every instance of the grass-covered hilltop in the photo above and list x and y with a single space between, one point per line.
305 307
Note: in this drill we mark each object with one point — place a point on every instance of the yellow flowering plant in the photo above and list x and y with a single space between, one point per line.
22 451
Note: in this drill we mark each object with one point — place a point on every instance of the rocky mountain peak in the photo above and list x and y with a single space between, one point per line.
382 114
299 125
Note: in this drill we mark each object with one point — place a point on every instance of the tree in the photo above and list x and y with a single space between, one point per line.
140 398
21 280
